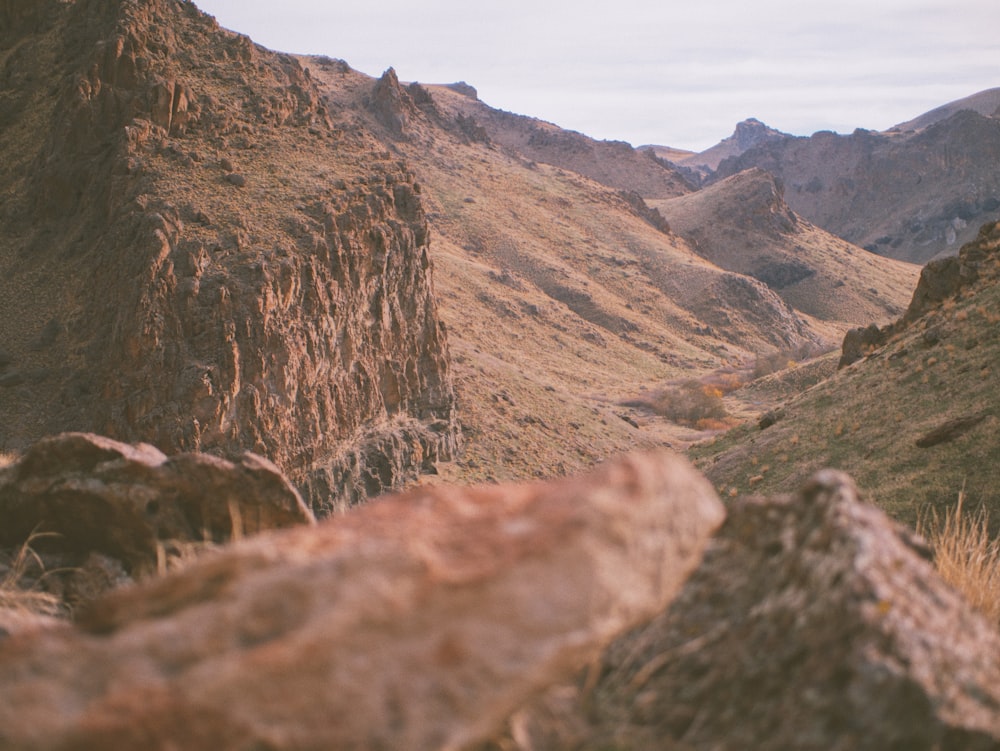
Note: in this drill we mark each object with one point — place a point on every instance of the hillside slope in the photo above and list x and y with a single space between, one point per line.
914 421
192 255
612 163
986 103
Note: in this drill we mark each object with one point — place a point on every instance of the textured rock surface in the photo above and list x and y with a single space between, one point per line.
195 257
813 623
119 500
417 621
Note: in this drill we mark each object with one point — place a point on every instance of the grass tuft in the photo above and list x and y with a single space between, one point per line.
16 595
966 555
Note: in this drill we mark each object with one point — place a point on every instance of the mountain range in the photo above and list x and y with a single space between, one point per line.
916 191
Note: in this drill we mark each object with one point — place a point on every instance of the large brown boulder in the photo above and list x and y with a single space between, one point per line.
414 622
119 500
813 623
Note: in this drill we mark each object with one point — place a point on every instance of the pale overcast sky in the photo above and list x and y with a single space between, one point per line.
674 73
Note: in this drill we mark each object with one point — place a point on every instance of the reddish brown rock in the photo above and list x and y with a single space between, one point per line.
101 496
413 622
813 623
392 104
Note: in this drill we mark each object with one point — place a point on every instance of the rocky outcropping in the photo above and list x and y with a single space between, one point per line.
813 623
749 133
213 265
95 495
393 106
940 280
412 622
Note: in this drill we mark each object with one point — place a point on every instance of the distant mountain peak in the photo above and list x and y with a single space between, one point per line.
747 134
752 131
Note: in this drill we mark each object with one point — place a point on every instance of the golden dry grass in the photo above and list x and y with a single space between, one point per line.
966 555
19 583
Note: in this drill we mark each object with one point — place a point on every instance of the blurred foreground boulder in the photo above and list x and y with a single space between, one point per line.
813 623
418 621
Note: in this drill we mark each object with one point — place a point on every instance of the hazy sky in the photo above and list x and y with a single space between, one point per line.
674 73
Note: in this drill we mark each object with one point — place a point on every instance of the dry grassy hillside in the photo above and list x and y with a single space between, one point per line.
612 163
914 422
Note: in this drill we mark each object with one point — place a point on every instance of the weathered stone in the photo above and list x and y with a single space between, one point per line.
393 106
412 622
812 623
103 496
860 342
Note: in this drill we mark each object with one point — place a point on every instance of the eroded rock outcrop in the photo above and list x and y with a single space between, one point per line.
220 267
393 106
813 623
417 621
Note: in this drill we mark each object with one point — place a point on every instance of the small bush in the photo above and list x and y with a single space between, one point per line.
687 403
966 556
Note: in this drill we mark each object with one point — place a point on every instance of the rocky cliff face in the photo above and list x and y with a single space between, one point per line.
195 257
